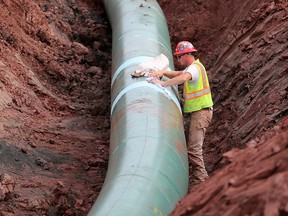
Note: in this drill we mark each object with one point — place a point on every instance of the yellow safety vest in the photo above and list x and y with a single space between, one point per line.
198 96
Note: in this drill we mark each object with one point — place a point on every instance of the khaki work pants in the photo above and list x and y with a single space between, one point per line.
199 122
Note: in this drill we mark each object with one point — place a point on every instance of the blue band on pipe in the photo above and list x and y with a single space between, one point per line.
158 88
130 62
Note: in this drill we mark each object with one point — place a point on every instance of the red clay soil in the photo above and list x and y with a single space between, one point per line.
55 62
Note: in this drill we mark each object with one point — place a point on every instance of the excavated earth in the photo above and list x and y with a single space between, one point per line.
55 64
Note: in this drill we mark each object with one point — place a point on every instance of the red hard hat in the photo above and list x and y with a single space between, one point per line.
184 47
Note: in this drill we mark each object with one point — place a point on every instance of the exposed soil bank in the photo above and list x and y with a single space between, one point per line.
55 59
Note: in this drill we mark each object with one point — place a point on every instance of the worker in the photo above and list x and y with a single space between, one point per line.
197 101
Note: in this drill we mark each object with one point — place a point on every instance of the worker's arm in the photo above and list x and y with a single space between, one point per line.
169 74
174 81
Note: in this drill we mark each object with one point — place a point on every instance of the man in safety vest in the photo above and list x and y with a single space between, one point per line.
197 101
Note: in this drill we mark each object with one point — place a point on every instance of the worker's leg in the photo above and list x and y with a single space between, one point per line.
200 120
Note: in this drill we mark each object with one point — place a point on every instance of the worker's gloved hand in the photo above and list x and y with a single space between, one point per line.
157 74
138 74
154 80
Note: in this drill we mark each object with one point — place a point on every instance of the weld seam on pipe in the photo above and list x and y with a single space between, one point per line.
158 88
134 61
130 62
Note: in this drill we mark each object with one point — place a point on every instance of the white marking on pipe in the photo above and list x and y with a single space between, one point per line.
130 62
158 88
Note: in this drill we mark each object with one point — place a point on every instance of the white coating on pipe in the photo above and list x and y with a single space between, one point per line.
158 88
130 62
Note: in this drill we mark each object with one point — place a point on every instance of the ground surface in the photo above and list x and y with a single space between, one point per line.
55 61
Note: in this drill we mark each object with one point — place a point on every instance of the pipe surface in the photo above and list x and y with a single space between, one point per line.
148 167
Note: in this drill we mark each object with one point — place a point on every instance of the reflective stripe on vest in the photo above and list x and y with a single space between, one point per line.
189 96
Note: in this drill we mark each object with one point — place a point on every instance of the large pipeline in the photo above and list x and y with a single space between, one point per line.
148 167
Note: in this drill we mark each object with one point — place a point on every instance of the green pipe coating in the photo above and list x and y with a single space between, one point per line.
148 166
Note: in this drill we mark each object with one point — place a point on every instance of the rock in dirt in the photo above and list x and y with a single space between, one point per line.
7 185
